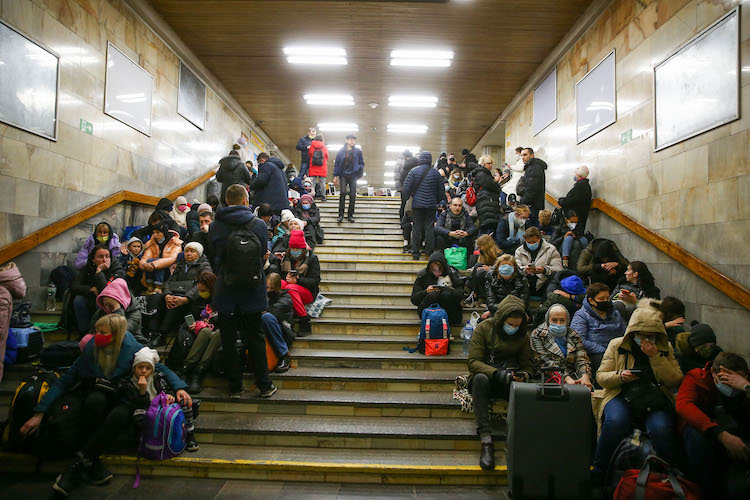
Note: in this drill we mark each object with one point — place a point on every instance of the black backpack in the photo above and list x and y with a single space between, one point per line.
60 354
59 432
557 217
317 157
27 396
21 316
62 277
243 258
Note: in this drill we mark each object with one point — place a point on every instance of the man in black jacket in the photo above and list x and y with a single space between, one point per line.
534 183
270 185
578 198
232 171
278 311
303 146
488 197
438 283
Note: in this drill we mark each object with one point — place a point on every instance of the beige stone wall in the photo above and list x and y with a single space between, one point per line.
696 193
42 181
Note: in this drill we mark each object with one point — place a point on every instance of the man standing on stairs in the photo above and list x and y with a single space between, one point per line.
535 184
426 185
240 242
347 169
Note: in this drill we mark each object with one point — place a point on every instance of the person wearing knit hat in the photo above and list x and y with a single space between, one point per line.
696 347
306 199
639 374
286 216
310 214
204 207
300 271
195 246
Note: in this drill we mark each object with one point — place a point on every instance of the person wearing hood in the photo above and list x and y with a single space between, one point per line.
697 347
555 344
207 336
90 281
455 227
639 374
310 214
232 171
488 194
181 296
468 157
348 167
240 307
578 198
117 299
193 216
597 322
516 172
301 271
499 354
534 184
565 287
319 166
538 259
439 283
103 235
602 262
425 185
503 279
180 211
270 186
291 172
12 287
303 146
713 406
101 363
160 214
159 254
130 258
397 177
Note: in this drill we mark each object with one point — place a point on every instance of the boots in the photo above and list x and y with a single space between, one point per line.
487 457
156 340
71 477
196 379
305 328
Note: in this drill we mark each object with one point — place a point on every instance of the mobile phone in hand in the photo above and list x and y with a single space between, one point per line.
189 320
636 372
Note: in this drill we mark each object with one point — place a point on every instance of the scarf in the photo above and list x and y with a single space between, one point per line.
514 233
300 266
451 219
150 387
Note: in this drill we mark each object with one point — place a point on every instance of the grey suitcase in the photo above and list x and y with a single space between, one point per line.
550 440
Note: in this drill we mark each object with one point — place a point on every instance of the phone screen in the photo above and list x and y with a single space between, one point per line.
189 320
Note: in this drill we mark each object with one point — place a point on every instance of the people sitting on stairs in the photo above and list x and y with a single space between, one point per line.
207 337
160 214
117 299
103 235
309 213
638 283
455 227
565 287
130 258
89 283
569 239
538 260
486 254
301 271
282 230
439 283
277 320
697 347
205 218
159 254
602 262
511 228
503 279
499 354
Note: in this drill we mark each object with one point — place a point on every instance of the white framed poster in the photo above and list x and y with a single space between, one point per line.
596 99
191 97
29 83
128 91
702 77
545 102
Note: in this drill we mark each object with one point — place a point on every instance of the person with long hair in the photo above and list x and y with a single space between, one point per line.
638 283
207 336
488 252
503 279
89 282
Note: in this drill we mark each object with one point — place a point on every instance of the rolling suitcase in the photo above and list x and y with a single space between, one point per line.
550 437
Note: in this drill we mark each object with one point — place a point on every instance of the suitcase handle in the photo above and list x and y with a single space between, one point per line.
552 391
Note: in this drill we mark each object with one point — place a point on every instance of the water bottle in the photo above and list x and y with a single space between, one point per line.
51 297
466 334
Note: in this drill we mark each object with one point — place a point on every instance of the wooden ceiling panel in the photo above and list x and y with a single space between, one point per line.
497 43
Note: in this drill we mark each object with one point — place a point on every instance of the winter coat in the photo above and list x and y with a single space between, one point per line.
184 279
83 254
547 353
88 277
308 271
131 313
578 199
342 168
313 227
534 180
488 197
397 173
193 219
302 146
429 193
595 331
425 278
319 170
12 286
506 238
202 238
686 355
409 164
232 170
271 185
696 403
509 349
129 394
280 305
619 356
498 288
444 226
86 367
162 211
516 172
226 299
651 292
590 265
547 257
164 258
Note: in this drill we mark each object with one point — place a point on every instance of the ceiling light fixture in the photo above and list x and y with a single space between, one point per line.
422 58
338 127
315 55
361 182
412 101
329 99
404 128
400 149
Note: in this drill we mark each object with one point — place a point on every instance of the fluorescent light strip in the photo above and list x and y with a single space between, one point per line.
317 51
422 63
361 182
412 101
327 60
389 183
406 128
329 99
400 149
421 54
338 127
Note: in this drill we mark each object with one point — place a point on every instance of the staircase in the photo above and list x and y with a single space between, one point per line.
357 406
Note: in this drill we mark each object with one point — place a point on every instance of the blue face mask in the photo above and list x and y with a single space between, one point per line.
558 330
506 270
305 206
161 240
637 340
727 390
295 254
532 246
510 330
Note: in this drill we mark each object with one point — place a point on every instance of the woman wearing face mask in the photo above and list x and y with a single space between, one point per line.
486 254
597 322
117 299
310 214
602 262
538 259
159 254
181 296
556 345
504 279
104 236
511 228
569 239
179 211
301 269
90 281
639 283
458 183
103 415
499 354
639 374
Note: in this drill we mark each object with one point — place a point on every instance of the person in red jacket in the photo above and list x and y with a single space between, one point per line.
319 165
713 404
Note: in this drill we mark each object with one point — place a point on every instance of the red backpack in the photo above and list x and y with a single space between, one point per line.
649 485
471 196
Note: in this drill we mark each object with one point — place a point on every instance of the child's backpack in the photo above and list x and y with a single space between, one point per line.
435 333
29 342
164 435
317 157
27 396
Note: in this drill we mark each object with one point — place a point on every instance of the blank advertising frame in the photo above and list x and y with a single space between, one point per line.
191 97
128 91
545 102
596 99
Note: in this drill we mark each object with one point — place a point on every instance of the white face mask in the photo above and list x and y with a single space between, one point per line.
518 157
572 225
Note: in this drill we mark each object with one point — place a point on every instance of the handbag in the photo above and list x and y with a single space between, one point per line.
456 256
643 400
521 187
315 308
644 484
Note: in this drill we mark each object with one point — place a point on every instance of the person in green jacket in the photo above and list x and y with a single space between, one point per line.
500 353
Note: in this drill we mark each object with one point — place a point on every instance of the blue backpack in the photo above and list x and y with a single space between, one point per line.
435 325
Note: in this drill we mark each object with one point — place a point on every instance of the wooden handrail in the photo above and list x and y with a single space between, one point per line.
713 276
28 242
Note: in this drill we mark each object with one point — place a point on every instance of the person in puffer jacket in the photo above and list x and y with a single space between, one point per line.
488 195
12 286
504 279
425 185
159 254
439 283
232 171
103 235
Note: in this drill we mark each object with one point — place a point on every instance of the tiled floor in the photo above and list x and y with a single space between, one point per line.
163 488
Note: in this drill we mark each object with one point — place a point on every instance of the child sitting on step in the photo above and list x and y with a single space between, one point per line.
145 384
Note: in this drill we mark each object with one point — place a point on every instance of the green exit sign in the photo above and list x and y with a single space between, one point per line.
87 127
626 136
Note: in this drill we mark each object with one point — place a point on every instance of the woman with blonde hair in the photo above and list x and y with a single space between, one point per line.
504 279
488 252
103 360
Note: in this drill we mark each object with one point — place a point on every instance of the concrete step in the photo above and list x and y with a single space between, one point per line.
383 327
328 285
386 360
364 200
370 298
333 238
297 463
360 211
333 241
391 343
375 311
344 254
355 229
377 265
384 227
402 276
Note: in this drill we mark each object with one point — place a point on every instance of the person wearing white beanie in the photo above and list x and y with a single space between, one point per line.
179 211
197 246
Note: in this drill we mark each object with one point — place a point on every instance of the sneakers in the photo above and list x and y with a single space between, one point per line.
407 248
237 394
97 473
269 392
351 218
192 444
68 480
305 328
284 364
340 219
